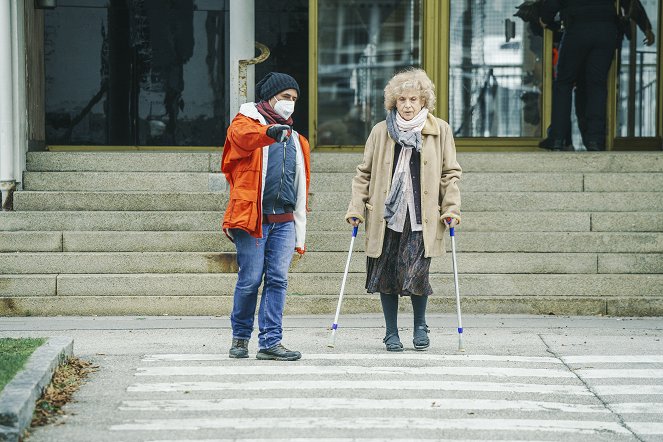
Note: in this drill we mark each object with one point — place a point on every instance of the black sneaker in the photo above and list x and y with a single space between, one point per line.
278 353
239 349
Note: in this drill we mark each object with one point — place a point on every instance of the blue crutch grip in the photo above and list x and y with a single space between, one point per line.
355 229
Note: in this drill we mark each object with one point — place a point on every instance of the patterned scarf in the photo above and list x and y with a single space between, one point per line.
270 114
401 198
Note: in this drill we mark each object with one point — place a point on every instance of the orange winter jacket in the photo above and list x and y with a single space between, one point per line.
244 161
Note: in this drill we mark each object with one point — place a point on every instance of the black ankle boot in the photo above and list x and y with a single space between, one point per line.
420 340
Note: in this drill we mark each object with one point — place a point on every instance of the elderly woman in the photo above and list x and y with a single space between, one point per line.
406 191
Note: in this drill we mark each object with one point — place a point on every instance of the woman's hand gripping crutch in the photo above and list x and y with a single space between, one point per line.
452 234
332 338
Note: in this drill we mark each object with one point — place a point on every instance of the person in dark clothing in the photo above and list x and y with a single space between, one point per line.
591 36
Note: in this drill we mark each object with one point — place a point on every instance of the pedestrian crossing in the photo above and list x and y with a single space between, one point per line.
333 397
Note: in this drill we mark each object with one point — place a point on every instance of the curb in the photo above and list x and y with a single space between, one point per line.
18 398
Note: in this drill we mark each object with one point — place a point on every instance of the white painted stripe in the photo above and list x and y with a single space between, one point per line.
617 359
637 407
642 373
285 370
336 439
646 427
355 404
362 385
628 389
353 356
538 425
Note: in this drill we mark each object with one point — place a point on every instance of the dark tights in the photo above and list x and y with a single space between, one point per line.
390 310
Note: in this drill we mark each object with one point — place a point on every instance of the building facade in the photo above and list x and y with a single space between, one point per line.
160 75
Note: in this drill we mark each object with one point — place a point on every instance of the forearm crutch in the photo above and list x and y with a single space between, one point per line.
452 234
332 338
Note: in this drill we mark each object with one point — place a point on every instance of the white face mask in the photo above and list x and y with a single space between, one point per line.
284 108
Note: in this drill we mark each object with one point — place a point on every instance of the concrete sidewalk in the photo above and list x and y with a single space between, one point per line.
188 353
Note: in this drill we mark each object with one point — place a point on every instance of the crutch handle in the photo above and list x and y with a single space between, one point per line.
354 231
452 231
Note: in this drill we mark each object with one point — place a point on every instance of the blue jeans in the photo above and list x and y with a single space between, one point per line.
269 256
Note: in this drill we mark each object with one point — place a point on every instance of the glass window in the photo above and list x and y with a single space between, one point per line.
637 100
136 72
282 26
361 45
495 82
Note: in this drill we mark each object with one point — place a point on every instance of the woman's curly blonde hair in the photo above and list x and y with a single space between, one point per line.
410 79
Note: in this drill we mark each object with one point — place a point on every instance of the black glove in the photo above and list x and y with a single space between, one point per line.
279 132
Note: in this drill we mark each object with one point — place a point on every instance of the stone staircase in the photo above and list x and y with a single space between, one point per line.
139 233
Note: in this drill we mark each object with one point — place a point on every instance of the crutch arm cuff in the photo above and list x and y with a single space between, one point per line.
450 215
349 216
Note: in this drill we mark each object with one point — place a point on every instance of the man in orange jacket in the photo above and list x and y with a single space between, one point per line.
267 164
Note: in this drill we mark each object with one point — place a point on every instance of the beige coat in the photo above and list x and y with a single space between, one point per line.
440 196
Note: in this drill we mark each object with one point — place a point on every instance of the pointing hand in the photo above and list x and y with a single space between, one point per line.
279 132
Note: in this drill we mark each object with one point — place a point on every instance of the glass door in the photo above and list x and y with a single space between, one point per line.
359 45
637 111
496 76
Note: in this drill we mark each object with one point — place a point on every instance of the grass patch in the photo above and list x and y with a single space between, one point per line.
13 355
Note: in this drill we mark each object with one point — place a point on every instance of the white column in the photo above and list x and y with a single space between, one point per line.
7 178
242 47
19 85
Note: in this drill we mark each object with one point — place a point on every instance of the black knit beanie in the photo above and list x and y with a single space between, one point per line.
273 83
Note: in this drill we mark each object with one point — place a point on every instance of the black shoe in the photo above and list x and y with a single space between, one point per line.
421 341
278 353
239 349
392 342
593 146
555 145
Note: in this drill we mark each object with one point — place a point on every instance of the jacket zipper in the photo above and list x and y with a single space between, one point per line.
278 195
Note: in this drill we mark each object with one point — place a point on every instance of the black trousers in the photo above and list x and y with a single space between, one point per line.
585 55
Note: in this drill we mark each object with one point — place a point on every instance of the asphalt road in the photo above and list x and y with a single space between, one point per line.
530 378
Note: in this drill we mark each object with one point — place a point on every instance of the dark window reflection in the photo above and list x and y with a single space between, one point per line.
282 25
136 72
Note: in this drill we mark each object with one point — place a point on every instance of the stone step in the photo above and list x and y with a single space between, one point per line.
313 262
317 221
305 284
44 201
325 182
521 182
221 305
124 161
336 201
565 162
214 241
125 181
473 221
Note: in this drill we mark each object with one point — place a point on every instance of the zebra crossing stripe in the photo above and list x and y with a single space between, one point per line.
637 407
578 390
354 356
628 389
646 427
353 439
355 404
538 425
593 373
617 359
281 370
